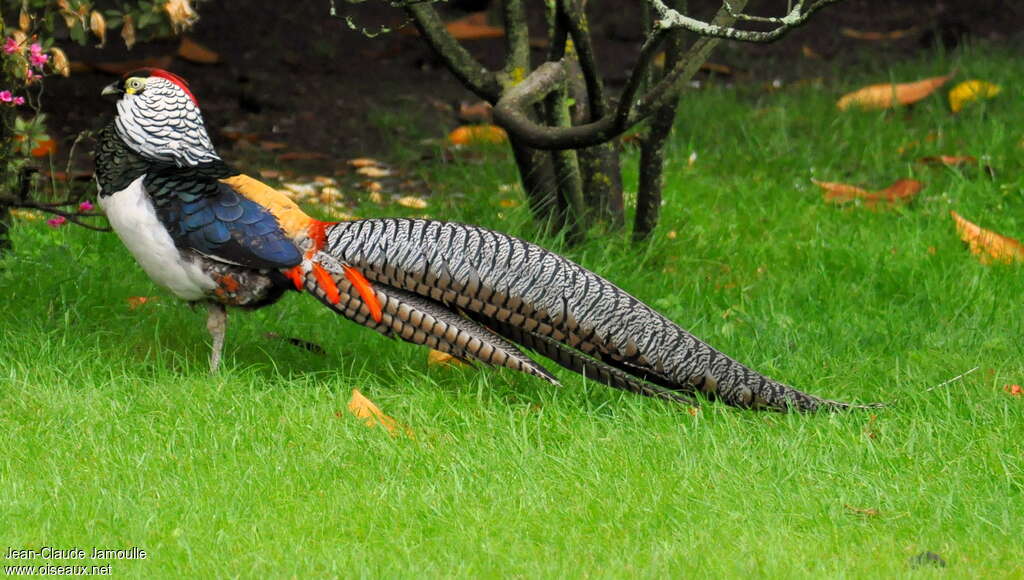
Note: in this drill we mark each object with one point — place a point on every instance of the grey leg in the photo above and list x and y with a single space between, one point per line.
216 323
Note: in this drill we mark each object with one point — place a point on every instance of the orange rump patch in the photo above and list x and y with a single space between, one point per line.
293 220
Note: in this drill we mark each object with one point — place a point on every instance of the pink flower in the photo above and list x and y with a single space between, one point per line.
85 206
11 45
57 221
19 101
36 55
38 60
30 76
6 96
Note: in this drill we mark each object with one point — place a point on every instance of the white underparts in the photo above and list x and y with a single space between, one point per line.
133 217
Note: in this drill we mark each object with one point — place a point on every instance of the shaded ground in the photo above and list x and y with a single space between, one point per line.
298 76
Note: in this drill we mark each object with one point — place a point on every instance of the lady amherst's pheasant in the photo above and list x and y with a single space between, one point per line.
209 234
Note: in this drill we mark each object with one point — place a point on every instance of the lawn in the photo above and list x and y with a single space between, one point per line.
113 435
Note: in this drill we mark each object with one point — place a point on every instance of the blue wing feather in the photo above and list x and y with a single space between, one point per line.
206 215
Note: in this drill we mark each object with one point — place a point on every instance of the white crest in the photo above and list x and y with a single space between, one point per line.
163 124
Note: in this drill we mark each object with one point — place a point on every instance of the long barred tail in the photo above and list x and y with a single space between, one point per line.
545 302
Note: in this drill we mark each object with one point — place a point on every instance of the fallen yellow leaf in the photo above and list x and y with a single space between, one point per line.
26 214
412 202
987 245
373 171
476 134
363 162
372 416
889 95
438 358
970 91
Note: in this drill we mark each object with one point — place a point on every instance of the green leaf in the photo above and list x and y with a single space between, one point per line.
78 34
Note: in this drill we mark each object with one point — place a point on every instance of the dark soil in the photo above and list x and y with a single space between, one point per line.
292 73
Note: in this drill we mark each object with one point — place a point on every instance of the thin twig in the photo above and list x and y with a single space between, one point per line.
956 378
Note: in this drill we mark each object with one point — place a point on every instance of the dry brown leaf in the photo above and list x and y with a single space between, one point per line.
870 512
192 51
330 194
71 17
136 302
412 202
372 416
951 160
473 27
887 95
236 135
301 156
272 145
300 189
181 14
900 191
476 134
876 36
63 176
508 203
721 69
373 171
126 66
59 62
809 52
479 112
438 358
631 139
98 26
987 245
128 31
363 162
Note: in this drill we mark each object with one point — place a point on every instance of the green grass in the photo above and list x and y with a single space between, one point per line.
113 435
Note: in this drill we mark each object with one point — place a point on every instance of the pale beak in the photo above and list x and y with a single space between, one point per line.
111 90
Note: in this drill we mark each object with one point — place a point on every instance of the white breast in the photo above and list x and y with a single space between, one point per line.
133 217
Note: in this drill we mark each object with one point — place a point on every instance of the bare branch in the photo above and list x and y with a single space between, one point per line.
575 22
467 69
669 19
51 208
517 40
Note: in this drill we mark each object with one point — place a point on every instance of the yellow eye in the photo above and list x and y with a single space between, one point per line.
134 85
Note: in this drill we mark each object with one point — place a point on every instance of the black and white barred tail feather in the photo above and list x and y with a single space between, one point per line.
547 303
422 321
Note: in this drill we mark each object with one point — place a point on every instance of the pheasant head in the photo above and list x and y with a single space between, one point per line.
159 118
